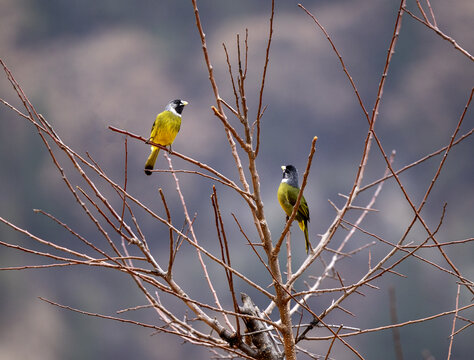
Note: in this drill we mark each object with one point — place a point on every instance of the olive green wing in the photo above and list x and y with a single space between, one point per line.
303 210
154 127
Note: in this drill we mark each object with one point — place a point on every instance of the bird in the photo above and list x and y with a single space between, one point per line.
164 130
287 194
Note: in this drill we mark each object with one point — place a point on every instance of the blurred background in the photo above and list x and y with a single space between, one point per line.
86 65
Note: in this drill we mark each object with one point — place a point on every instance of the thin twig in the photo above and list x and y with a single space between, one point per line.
262 86
169 271
221 235
124 182
432 13
193 236
225 180
387 327
415 163
394 319
332 343
440 33
451 338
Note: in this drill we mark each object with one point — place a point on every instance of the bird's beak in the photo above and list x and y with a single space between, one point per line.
283 167
184 102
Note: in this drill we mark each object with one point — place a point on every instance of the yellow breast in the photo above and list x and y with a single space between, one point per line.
165 128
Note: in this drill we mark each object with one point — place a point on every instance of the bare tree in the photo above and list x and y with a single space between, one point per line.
273 329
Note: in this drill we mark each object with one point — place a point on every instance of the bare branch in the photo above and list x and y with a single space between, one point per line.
394 319
440 33
260 98
410 322
451 338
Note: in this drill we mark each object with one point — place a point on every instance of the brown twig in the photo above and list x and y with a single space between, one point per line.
470 322
265 66
241 81
387 327
432 13
418 209
208 341
288 257
447 243
124 182
326 238
335 258
415 163
255 251
215 89
367 145
394 319
225 180
451 338
193 236
169 271
441 34
422 11
344 68
332 343
221 235
231 75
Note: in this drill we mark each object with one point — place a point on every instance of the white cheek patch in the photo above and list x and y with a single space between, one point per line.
173 110
284 180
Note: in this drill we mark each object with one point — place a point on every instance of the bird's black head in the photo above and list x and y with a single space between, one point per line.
178 105
290 175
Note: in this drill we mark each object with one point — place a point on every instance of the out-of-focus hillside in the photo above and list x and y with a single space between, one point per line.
89 64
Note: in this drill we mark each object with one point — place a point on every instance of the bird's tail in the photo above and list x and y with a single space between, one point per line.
304 227
150 162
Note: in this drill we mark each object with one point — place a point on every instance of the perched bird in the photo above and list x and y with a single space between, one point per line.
164 130
287 194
